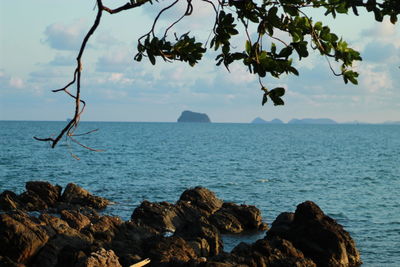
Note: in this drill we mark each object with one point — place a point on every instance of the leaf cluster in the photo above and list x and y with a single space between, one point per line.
184 49
264 53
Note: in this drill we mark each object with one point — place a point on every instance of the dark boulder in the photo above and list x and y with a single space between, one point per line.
318 236
31 201
7 262
99 258
21 236
204 237
275 252
169 251
160 217
203 199
49 193
129 243
9 201
64 246
75 219
76 195
233 218
43 196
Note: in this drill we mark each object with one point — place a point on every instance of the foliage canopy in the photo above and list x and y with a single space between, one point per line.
264 52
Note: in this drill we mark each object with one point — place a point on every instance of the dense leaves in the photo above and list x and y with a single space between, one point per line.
184 49
265 52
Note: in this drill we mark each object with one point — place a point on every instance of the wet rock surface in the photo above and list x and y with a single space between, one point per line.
68 231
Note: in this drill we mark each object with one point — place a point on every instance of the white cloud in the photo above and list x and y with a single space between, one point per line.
66 37
382 30
374 80
120 78
115 61
239 75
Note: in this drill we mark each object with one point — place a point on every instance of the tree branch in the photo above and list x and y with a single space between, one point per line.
125 7
73 123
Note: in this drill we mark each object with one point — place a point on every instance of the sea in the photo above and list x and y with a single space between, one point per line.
351 171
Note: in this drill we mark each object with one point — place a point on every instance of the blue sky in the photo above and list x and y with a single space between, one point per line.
39 42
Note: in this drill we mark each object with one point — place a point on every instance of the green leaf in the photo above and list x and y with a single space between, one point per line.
248 47
151 58
318 26
278 91
138 57
286 52
294 71
277 100
393 18
292 11
265 99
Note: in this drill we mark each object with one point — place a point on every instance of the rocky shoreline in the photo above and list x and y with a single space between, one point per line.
47 226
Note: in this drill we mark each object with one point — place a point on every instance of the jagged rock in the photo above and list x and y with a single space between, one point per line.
275 252
201 230
104 229
226 223
75 219
203 199
7 262
49 193
9 201
31 201
129 241
74 194
101 258
318 236
21 236
169 251
160 217
282 223
63 248
233 218
183 234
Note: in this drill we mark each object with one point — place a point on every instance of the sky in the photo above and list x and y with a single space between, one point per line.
39 41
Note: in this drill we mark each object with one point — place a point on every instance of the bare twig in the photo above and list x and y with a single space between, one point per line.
188 12
124 7
73 123
157 18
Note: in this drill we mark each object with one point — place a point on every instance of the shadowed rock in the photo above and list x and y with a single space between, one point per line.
233 218
318 236
9 201
203 199
101 257
74 194
49 193
21 236
41 196
187 233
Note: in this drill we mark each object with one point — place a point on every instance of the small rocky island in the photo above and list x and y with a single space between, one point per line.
48 226
190 116
259 120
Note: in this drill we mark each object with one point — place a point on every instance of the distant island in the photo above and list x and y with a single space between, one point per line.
312 121
258 120
190 116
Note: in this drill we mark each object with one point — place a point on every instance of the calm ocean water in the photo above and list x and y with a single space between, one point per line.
351 171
